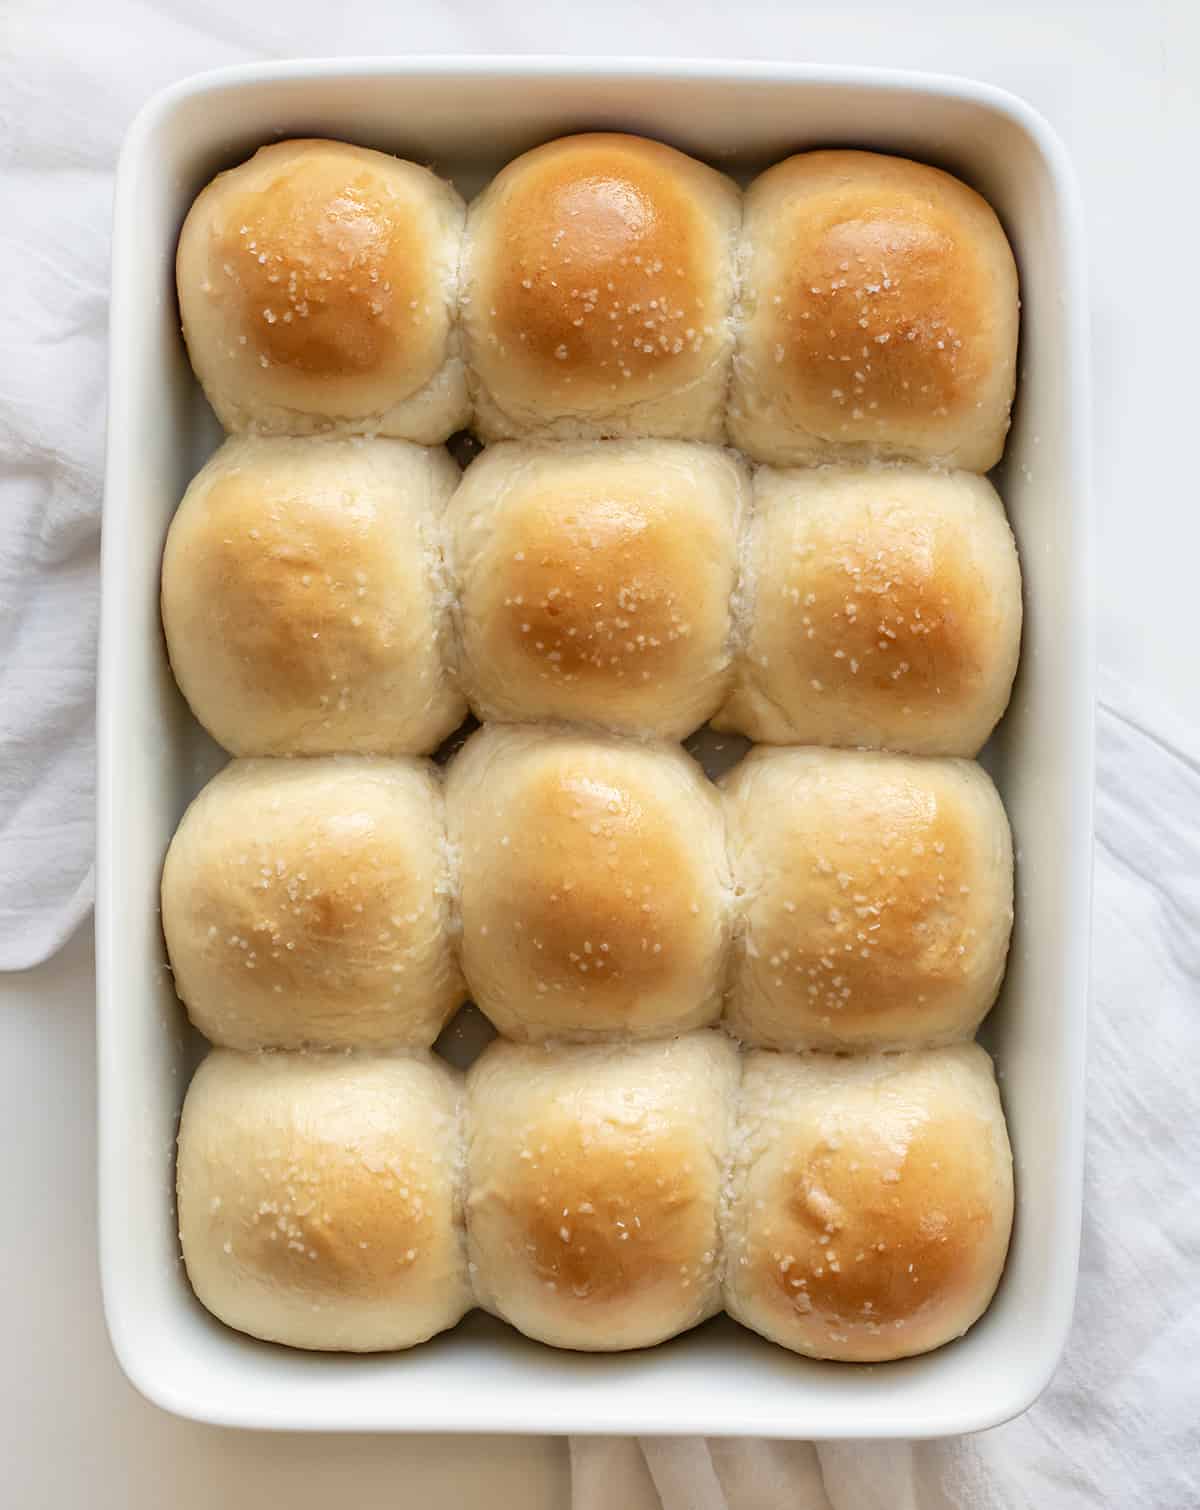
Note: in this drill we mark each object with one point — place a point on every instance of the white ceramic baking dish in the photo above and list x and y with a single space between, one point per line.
467 117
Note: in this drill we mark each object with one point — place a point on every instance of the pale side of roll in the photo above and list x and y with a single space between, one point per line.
307 902
304 597
877 315
594 887
875 895
871 1201
594 1178
318 284
881 608
595 580
598 290
320 1197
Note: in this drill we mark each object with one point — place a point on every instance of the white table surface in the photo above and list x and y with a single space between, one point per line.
1118 82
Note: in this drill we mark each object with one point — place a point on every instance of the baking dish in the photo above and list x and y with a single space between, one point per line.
467 117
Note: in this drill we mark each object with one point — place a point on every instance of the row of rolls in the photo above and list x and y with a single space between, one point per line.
606 285
329 595
588 887
598 1197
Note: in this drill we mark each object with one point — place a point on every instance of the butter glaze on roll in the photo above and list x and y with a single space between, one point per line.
880 608
304 597
878 315
594 887
598 292
318 286
320 1197
306 902
594 1180
595 582
875 896
871 1201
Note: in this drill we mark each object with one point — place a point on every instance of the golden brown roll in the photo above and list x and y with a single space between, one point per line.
878 314
871 1201
594 884
598 290
876 899
594 582
882 608
594 1176
304 599
320 1197
318 287
306 902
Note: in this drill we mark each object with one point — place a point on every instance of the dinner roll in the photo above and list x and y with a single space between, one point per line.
882 608
872 1201
304 600
597 292
307 902
318 284
878 313
320 1197
594 582
876 897
594 1175
594 888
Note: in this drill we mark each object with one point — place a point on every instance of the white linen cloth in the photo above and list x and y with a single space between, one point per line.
1119 1425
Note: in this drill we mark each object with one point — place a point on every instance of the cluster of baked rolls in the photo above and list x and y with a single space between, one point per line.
360 594
598 1196
612 318
606 286
588 887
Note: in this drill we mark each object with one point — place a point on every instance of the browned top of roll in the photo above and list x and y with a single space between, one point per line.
881 310
601 273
